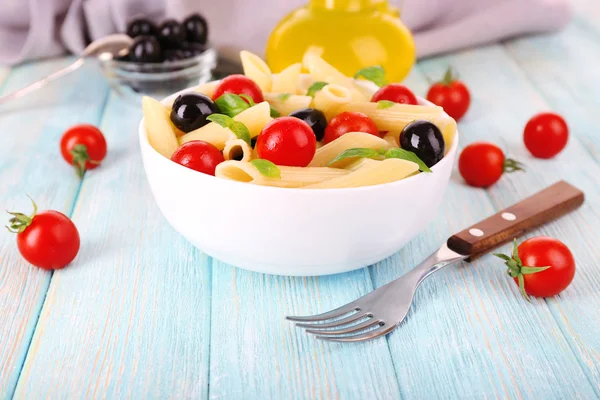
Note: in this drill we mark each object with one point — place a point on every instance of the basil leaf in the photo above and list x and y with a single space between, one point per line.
284 96
266 168
248 99
375 74
356 152
231 104
224 120
239 129
407 155
274 113
315 87
381 104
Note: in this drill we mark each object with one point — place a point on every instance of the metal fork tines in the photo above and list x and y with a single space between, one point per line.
379 312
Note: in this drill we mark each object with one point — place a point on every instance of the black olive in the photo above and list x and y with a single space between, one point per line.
174 55
145 49
314 118
192 49
190 111
140 27
170 33
425 140
196 28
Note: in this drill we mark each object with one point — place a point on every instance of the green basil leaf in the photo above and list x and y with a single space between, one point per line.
407 155
241 131
315 87
231 104
266 168
274 113
381 104
284 96
248 99
356 152
224 120
375 74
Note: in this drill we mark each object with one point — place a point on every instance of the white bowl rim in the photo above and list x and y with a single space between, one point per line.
448 158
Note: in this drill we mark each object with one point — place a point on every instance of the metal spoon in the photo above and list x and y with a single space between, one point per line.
108 46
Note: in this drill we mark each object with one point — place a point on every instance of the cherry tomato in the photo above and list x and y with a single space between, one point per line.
287 141
198 155
535 255
395 92
83 146
239 84
48 239
349 122
450 94
481 164
545 135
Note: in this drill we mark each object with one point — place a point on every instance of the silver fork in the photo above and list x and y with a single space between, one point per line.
381 311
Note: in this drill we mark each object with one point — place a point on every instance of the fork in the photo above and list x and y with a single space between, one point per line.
381 311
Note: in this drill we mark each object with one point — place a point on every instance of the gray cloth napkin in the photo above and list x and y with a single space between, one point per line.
31 29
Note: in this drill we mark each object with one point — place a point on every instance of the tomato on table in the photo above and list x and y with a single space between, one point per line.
546 135
349 122
83 146
198 155
239 84
48 239
481 164
450 94
287 141
395 92
542 266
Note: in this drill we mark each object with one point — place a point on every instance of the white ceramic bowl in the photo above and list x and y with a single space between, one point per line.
301 232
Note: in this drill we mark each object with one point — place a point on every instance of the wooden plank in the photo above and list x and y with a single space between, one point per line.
472 335
132 317
31 128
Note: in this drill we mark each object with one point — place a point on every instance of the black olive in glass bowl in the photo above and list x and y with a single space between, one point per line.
190 111
140 27
314 118
145 49
174 55
196 28
192 49
170 33
425 140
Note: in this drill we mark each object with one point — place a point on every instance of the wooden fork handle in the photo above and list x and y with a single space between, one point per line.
545 206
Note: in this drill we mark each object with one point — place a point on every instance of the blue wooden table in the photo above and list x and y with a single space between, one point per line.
143 314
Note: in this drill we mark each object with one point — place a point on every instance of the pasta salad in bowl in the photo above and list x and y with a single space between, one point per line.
304 172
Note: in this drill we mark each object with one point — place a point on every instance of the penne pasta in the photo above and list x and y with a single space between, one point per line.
287 80
291 177
255 118
330 98
371 173
237 149
256 69
287 104
350 140
207 89
396 117
312 51
448 127
161 134
392 140
321 70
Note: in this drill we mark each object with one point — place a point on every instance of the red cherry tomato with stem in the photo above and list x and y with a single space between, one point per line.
287 141
48 239
83 146
395 92
481 164
541 266
239 84
450 94
349 122
546 135
198 155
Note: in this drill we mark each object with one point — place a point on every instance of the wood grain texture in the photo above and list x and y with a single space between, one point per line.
131 318
30 163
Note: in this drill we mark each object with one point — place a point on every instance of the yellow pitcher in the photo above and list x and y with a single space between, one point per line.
353 33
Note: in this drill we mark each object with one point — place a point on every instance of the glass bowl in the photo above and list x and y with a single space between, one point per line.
133 80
